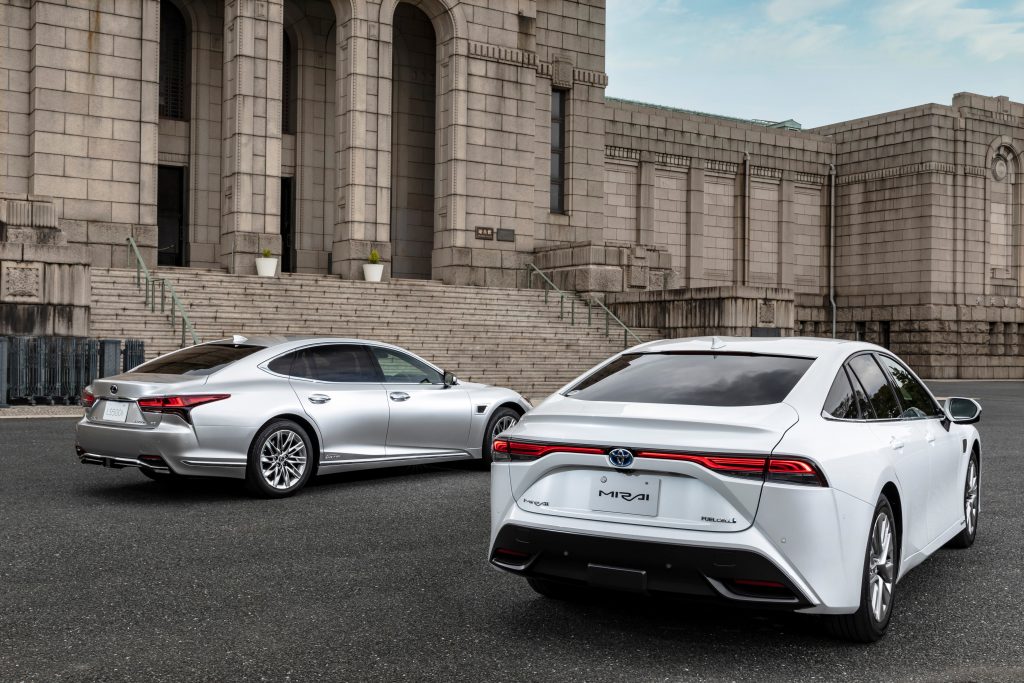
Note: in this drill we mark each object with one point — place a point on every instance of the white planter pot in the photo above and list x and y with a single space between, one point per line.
372 272
266 267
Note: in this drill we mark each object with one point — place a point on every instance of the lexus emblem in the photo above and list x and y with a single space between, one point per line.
620 458
113 388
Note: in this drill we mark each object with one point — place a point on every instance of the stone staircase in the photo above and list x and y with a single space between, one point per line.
506 337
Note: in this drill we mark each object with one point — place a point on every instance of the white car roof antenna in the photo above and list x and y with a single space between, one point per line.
717 343
238 339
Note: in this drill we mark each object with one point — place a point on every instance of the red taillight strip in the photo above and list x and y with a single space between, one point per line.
177 403
536 450
786 470
88 399
712 462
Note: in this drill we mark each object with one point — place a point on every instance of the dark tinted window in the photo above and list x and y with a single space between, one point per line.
913 396
204 359
401 368
282 365
335 363
694 379
880 395
841 401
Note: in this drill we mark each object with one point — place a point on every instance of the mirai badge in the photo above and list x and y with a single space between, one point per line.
620 458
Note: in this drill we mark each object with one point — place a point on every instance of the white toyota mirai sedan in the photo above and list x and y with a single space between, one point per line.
805 474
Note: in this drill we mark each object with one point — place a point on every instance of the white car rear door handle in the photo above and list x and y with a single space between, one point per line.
398 396
319 398
929 437
896 444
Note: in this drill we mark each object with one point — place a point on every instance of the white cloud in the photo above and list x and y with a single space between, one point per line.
782 11
987 33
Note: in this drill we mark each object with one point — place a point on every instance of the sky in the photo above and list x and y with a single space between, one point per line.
815 61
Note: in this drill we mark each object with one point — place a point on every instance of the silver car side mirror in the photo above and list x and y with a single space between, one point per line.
449 379
963 411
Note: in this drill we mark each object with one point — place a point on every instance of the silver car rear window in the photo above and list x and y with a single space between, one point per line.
706 379
204 359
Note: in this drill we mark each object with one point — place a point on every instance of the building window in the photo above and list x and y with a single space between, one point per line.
289 86
558 115
174 83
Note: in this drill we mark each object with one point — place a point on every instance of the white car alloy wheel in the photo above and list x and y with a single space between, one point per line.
881 572
283 459
972 498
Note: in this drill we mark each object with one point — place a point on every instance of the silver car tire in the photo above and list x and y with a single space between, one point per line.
502 420
972 505
878 587
281 460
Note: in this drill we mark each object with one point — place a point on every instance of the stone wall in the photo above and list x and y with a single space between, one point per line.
929 236
44 281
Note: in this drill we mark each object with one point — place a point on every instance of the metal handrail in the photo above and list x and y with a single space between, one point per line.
588 298
166 291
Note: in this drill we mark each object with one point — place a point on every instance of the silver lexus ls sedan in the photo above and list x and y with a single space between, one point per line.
276 411
804 474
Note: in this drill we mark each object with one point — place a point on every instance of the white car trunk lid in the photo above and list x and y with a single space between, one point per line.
654 491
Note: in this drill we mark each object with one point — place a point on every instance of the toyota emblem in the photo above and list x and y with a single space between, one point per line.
620 458
113 388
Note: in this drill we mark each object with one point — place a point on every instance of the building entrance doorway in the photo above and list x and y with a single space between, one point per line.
171 217
288 225
412 144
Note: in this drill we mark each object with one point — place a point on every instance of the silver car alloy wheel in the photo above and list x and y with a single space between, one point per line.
881 572
283 459
971 497
503 425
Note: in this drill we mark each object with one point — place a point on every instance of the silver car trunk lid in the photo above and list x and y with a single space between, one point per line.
134 385
688 495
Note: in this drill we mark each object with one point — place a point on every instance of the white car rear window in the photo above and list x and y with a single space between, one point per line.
707 379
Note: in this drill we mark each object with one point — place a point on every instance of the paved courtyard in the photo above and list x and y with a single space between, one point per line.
106 576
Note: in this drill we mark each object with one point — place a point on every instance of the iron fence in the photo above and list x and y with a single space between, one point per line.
54 370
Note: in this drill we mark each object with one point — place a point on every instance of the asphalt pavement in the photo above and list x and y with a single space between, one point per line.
107 576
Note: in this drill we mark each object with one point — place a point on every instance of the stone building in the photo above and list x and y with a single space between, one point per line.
465 139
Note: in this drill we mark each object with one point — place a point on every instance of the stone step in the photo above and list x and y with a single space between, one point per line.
510 337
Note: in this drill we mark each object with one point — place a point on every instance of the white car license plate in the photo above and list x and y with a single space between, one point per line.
116 411
631 494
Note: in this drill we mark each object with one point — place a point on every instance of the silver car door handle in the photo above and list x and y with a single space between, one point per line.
896 444
318 398
398 396
929 437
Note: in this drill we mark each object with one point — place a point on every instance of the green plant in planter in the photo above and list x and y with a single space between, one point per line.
267 253
374 256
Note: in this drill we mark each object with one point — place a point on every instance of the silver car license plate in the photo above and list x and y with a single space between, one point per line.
630 494
115 411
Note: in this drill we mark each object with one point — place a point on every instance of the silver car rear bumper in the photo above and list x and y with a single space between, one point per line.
174 442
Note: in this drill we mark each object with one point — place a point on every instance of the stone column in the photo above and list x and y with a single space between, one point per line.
695 224
645 214
252 132
787 222
360 201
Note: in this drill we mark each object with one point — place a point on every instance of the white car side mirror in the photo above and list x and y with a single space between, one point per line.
962 411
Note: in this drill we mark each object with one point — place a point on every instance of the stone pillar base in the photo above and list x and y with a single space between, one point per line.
239 250
589 267
45 286
725 311
348 257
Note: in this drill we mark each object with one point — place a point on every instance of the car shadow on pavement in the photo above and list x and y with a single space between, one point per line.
691 620
208 489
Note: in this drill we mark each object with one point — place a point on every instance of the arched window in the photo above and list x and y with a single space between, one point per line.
289 86
174 81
